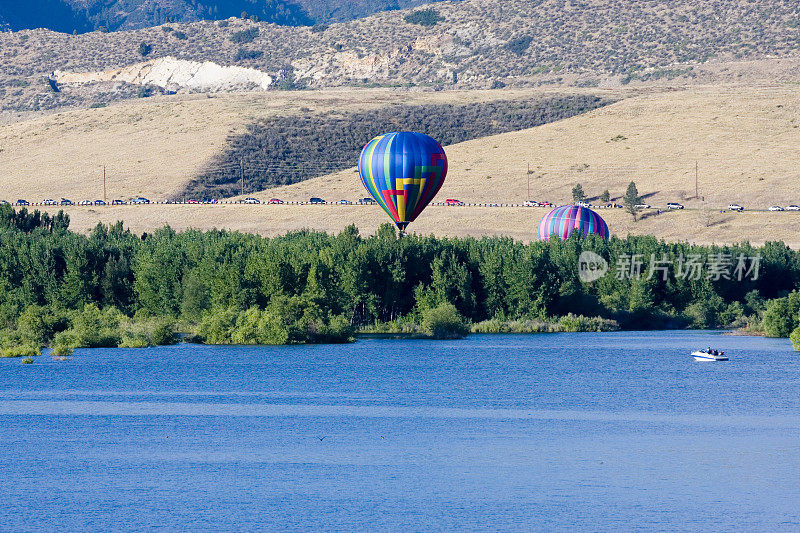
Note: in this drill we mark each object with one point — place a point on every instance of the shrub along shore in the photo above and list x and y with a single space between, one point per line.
112 288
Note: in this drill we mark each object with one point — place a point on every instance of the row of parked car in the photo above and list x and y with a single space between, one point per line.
675 205
67 201
363 201
313 200
739 208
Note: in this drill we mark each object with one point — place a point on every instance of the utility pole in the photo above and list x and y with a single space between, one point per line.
241 168
529 182
104 183
696 189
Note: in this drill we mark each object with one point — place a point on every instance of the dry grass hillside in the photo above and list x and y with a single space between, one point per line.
746 142
155 146
474 44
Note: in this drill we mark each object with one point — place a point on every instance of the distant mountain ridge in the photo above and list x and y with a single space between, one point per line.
56 15
68 16
468 44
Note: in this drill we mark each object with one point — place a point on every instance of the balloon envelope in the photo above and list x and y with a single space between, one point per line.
565 220
402 171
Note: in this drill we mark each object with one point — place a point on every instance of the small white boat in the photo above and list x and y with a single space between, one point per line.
703 355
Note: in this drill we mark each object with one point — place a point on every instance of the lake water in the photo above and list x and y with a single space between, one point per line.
586 431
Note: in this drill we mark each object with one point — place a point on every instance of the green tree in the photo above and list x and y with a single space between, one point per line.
158 268
196 297
577 193
451 280
444 322
795 338
95 328
631 199
605 197
781 315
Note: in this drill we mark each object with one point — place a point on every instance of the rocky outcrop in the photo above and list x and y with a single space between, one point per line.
175 75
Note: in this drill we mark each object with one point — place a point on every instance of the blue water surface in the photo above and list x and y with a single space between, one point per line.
583 431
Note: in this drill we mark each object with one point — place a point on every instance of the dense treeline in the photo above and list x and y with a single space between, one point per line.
114 288
286 150
89 15
81 16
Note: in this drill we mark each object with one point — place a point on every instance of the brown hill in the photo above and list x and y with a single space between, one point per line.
475 43
156 146
745 142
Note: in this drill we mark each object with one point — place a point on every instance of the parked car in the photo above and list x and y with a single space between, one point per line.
614 206
775 208
642 206
50 201
316 201
118 202
66 201
530 203
23 202
140 200
252 201
275 201
99 202
674 205
453 201
793 207
584 204
367 201
85 202
209 200
735 207
344 202
192 201
4 202
546 204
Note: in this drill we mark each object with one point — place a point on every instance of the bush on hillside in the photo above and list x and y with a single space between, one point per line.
424 17
519 45
245 36
243 54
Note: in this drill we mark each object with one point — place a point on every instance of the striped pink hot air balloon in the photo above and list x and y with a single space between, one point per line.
563 221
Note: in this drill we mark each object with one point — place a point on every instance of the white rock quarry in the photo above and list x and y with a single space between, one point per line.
175 75
327 65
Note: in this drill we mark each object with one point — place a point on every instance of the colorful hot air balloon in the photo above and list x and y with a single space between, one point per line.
565 220
402 172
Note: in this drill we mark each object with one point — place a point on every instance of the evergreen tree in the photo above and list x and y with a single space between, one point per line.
631 199
577 194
